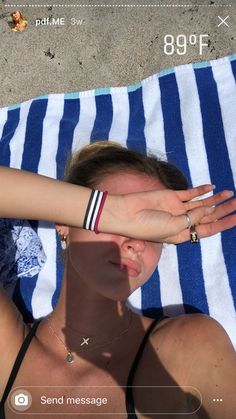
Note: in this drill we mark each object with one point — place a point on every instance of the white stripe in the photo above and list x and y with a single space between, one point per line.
155 140
192 125
120 120
218 291
91 210
3 120
170 289
84 127
96 210
46 283
226 87
17 142
135 301
154 122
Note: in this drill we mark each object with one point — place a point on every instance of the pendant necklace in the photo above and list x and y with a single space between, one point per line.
86 341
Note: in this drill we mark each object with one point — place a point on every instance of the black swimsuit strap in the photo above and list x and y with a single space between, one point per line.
17 364
129 399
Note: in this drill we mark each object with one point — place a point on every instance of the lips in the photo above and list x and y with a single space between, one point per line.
128 266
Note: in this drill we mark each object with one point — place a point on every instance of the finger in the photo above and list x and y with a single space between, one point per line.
204 230
207 230
179 223
212 200
189 194
220 211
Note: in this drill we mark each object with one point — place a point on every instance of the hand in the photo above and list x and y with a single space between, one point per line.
158 215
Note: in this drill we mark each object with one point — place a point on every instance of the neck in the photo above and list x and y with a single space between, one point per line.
82 313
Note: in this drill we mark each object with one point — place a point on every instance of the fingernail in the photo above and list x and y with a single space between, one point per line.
213 186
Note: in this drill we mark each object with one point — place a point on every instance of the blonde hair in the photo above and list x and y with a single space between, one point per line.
88 166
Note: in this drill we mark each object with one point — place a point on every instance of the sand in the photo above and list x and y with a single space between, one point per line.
92 47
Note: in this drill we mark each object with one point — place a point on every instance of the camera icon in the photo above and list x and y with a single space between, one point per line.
21 399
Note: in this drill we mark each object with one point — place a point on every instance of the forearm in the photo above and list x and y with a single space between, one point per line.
25 195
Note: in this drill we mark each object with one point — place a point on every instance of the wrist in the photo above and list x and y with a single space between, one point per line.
113 215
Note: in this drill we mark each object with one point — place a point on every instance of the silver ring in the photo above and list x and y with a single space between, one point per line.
189 220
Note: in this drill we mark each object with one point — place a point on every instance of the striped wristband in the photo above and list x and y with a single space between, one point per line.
94 209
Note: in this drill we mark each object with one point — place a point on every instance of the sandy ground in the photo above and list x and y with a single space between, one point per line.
107 44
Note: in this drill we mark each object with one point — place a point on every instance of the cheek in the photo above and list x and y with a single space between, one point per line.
152 258
87 247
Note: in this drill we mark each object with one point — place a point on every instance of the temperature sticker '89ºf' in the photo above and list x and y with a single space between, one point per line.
180 43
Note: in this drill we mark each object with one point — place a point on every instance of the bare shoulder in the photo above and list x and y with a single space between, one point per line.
12 332
185 342
197 352
10 315
191 327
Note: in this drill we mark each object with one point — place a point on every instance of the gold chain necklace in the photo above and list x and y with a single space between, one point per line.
70 356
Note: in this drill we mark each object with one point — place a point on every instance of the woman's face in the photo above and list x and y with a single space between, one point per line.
111 265
16 15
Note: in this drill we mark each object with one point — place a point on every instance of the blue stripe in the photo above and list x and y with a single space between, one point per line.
219 168
191 278
136 138
68 123
9 129
22 302
151 297
59 273
30 162
229 250
233 66
103 119
33 136
176 154
27 287
174 137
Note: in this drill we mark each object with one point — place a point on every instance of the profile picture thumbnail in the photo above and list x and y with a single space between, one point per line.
18 22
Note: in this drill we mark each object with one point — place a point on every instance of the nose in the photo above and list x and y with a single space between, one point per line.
133 245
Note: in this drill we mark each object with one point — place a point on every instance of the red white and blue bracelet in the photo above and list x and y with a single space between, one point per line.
94 209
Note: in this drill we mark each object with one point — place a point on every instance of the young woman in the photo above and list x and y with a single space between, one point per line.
93 356
19 23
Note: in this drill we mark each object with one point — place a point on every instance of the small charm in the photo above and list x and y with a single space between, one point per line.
193 235
69 358
85 341
63 243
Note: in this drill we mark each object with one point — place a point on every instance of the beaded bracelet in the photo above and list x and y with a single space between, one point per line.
94 209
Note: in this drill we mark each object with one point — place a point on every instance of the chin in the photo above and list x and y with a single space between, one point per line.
118 296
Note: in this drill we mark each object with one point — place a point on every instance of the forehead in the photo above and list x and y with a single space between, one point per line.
127 182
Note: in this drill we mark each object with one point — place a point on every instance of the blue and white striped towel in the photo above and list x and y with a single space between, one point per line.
187 114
